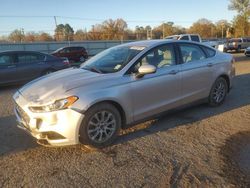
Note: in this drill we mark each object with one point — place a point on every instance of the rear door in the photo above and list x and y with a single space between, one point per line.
7 68
30 65
196 72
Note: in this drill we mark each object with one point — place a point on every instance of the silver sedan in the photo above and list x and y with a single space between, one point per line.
121 86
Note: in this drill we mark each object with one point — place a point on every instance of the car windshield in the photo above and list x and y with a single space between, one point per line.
113 59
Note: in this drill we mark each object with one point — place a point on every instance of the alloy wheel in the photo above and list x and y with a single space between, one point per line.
101 126
219 92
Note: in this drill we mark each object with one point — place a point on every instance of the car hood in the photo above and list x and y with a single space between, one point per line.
50 87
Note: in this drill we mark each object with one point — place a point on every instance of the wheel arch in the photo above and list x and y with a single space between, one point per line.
226 77
117 105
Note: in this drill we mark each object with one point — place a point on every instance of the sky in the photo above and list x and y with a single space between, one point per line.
37 15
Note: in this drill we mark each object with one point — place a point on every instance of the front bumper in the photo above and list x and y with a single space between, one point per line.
58 128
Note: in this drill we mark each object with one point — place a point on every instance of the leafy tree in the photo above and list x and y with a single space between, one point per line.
64 32
96 32
241 6
113 29
241 26
240 22
30 37
222 26
16 36
44 37
80 35
203 27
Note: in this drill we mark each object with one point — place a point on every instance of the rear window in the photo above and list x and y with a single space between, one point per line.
210 52
195 38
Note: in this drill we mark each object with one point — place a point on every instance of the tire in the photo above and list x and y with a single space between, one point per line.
100 126
238 49
49 71
218 92
82 59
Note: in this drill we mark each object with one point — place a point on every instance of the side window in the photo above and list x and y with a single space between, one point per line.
30 58
73 49
210 52
5 60
160 57
195 38
184 38
65 50
191 53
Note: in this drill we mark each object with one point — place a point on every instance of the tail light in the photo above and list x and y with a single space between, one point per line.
66 62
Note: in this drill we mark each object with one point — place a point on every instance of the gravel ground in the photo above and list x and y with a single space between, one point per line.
196 147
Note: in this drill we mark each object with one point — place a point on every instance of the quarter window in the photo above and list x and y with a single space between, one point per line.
191 53
210 52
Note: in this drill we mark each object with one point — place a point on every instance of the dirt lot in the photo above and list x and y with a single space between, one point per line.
197 147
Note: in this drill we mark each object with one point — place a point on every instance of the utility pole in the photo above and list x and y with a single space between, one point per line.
55 21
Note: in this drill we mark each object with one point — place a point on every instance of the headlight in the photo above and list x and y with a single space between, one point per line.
57 105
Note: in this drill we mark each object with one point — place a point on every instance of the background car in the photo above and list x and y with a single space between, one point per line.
121 86
188 37
75 54
247 52
237 44
23 66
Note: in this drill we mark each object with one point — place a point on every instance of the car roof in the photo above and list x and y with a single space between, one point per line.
151 43
22 51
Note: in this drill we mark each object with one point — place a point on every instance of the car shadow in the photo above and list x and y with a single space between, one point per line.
238 97
235 154
13 139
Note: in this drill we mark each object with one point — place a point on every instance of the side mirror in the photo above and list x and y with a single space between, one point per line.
145 69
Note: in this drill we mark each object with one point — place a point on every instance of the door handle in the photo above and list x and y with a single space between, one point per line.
41 63
173 72
210 64
11 66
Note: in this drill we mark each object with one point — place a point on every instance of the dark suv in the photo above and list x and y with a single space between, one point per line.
75 54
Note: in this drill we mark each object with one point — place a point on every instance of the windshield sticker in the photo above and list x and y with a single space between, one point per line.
117 67
140 48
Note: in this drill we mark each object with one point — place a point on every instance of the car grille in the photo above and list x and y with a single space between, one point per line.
23 115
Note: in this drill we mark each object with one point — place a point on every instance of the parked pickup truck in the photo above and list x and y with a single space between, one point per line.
237 44
189 37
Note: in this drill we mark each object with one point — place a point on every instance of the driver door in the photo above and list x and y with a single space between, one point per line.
160 91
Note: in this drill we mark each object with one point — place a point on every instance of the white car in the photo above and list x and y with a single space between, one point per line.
121 86
188 37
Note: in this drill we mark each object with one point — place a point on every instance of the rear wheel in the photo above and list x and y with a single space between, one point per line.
218 92
82 59
49 71
100 125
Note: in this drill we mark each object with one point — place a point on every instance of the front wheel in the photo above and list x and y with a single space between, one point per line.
100 126
218 92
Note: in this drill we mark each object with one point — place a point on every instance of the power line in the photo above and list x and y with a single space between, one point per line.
96 19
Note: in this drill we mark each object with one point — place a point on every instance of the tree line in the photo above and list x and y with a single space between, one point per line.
118 29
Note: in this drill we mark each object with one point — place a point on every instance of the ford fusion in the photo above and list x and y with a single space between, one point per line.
121 86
